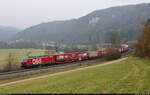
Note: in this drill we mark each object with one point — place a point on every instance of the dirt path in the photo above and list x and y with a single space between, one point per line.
65 72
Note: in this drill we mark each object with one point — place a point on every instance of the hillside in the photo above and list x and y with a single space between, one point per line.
7 32
92 28
129 76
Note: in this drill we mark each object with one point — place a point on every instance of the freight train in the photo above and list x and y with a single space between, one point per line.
66 58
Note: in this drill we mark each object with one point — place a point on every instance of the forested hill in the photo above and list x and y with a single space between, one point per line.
92 28
6 32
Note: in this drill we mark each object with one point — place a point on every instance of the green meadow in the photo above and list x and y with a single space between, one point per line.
129 76
18 53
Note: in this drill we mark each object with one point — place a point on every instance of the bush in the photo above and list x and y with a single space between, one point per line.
112 54
10 67
94 48
11 63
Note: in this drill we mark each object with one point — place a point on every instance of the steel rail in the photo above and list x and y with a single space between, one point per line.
23 72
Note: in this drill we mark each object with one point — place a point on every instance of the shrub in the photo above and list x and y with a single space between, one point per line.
11 63
10 67
112 53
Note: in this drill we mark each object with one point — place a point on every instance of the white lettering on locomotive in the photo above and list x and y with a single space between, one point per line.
36 61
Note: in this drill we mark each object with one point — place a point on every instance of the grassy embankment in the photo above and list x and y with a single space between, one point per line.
129 76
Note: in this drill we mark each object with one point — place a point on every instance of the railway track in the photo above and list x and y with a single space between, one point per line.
12 74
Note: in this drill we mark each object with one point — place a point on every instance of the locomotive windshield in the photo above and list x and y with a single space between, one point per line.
24 60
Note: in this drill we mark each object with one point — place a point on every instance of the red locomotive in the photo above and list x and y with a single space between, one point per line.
45 60
66 58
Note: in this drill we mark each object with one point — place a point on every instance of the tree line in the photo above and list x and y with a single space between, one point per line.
142 47
19 45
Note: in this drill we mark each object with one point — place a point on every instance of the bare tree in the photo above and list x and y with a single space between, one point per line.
48 51
74 48
102 38
115 39
28 53
142 47
66 50
57 47
94 48
11 62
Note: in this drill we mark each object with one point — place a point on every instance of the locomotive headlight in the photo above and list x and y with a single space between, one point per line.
85 54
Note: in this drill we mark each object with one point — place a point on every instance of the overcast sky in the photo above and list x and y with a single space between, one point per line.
25 13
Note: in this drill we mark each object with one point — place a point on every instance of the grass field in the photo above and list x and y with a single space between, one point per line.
129 76
19 53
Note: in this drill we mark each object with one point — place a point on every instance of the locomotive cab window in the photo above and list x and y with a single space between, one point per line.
24 60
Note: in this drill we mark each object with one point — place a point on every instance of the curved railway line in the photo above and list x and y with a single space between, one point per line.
23 72
64 72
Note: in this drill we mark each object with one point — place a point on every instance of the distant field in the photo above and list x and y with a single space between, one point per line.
19 53
129 76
